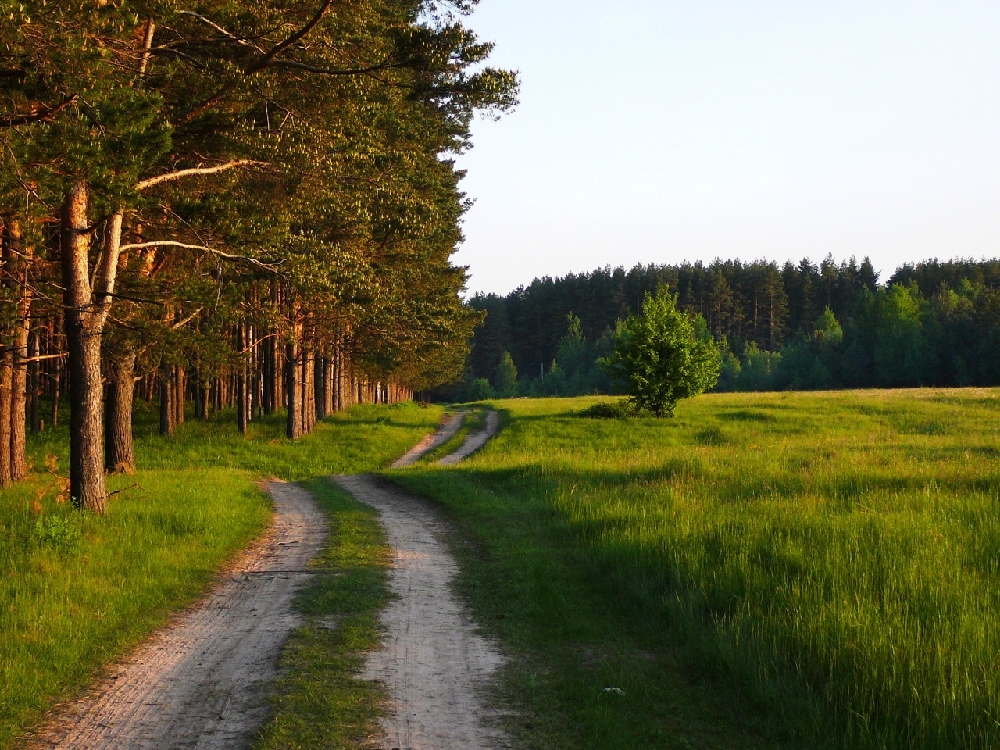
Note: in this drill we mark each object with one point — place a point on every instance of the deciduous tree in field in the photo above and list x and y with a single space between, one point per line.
659 358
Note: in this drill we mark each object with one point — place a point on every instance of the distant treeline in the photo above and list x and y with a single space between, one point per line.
799 326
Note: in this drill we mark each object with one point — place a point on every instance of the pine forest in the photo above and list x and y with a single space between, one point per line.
230 204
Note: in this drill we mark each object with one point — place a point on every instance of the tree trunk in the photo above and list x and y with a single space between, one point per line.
179 395
293 427
119 456
242 394
166 399
309 391
16 259
34 386
18 406
268 374
85 318
205 392
56 371
6 380
320 377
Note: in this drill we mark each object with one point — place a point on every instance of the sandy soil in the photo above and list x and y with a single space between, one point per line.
448 428
474 442
434 663
201 682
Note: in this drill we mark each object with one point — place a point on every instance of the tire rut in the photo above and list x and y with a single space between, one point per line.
201 682
434 663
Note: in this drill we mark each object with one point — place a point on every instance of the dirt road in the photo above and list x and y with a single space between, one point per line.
434 663
474 442
448 428
201 682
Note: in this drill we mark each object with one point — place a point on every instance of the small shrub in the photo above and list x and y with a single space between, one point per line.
624 408
480 390
57 530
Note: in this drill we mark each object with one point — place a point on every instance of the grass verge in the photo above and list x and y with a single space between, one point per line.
78 591
764 570
319 701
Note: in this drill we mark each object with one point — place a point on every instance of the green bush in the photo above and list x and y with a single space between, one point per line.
659 357
621 409
480 390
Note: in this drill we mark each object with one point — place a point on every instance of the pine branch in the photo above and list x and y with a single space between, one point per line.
282 46
43 115
194 171
184 246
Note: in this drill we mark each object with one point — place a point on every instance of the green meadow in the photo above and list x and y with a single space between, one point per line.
764 570
78 591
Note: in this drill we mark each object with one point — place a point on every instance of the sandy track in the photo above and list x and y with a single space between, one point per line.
474 442
201 682
433 662
448 428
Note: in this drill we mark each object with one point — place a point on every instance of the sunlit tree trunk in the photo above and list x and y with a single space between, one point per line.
6 381
293 360
86 313
167 411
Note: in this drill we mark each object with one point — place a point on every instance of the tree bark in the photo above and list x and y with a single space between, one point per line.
119 455
34 385
6 380
86 313
293 428
166 399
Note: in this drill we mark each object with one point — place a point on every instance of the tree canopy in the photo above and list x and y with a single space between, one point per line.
247 203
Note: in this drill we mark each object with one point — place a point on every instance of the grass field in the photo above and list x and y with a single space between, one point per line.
764 570
77 591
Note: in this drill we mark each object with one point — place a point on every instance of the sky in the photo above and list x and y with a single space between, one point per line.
654 131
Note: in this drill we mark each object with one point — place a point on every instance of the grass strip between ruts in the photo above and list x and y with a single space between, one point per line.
319 701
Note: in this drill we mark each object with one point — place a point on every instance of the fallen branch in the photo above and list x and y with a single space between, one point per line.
130 487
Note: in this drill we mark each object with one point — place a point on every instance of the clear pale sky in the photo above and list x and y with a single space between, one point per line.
654 131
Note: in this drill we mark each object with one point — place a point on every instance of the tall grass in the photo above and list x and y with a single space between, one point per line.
832 557
77 591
